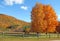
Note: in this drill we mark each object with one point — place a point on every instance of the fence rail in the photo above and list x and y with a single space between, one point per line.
22 34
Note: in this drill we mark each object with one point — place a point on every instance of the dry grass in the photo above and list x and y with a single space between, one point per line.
27 39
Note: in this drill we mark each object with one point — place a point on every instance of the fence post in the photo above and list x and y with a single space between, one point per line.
37 34
57 35
49 35
3 35
46 34
23 35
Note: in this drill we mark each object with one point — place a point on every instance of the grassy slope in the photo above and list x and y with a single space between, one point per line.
6 21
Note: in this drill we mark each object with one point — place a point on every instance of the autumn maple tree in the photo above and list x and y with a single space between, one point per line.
37 18
51 18
44 18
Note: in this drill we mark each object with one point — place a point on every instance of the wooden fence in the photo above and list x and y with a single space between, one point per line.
22 34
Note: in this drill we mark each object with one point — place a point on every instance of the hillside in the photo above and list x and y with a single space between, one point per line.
6 21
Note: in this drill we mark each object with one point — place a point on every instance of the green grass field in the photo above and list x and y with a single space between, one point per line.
52 37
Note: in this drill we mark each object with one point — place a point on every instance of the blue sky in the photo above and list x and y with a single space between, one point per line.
21 9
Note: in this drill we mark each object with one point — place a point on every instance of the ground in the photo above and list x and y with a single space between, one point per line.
27 39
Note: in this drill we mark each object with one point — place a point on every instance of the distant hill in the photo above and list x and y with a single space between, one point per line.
6 21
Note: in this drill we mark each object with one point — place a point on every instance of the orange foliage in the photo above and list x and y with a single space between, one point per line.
51 18
37 18
44 18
